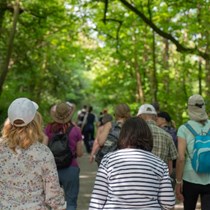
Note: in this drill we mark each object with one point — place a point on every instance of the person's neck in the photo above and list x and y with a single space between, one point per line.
164 125
122 120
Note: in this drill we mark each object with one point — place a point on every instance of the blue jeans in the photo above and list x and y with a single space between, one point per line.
69 180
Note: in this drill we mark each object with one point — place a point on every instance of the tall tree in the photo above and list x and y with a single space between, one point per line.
5 64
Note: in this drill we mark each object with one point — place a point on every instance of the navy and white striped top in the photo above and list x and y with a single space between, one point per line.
131 179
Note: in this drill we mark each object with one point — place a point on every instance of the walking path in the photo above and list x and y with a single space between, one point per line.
87 177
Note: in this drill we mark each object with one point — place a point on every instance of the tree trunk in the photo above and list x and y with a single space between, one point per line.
5 66
2 12
200 76
154 71
140 93
166 67
207 65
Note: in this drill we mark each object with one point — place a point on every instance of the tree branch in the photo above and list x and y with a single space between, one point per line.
179 46
105 10
118 28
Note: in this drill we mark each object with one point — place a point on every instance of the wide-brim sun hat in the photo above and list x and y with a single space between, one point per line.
22 111
62 113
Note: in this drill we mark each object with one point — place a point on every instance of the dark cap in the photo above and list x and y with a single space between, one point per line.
164 115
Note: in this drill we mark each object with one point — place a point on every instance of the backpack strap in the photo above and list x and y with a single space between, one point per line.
191 129
119 124
208 133
67 134
69 129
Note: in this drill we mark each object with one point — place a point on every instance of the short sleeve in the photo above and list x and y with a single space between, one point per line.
182 132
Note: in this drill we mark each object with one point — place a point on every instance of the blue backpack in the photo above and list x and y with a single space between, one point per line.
201 151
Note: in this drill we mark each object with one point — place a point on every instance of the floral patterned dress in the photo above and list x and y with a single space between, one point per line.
29 179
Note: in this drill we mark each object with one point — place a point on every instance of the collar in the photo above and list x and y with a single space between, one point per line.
151 122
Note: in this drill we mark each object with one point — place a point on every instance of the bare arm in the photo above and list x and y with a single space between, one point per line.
170 166
96 145
104 133
180 163
45 140
95 149
79 150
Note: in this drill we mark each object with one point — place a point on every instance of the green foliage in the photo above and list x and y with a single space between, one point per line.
70 50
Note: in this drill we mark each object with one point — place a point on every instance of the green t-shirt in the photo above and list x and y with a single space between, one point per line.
189 174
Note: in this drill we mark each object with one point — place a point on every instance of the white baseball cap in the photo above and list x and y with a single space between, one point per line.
147 109
22 109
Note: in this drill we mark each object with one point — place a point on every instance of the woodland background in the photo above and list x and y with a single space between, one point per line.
105 52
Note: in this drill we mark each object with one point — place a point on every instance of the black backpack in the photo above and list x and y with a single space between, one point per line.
110 144
59 146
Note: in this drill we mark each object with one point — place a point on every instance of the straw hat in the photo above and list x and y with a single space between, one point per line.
62 113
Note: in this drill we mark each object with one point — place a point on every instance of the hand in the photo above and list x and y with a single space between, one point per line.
91 158
179 194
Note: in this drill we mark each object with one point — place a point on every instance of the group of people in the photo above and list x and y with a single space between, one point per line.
138 175
30 178
128 178
150 154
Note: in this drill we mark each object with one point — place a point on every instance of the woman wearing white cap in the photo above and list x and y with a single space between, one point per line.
28 175
189 183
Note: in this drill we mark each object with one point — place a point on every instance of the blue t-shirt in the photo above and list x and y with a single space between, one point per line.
183 132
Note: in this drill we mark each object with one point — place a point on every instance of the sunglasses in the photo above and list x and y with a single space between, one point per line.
198 105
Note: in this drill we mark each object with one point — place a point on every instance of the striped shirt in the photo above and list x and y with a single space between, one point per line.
132 179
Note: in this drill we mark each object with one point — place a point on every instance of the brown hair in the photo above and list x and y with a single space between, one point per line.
106 118
23 137
122 111
135 133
